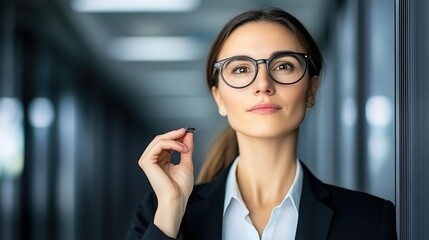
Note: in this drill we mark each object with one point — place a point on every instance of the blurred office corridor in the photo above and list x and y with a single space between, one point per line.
85 85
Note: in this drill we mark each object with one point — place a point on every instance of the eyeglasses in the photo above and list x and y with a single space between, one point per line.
283 67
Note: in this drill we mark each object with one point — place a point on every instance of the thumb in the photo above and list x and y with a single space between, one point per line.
188 140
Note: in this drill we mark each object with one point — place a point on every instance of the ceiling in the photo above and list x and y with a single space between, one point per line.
172 93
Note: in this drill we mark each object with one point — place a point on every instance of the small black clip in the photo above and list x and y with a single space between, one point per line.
189 129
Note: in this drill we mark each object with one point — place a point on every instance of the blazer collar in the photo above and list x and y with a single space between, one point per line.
314 216
205 209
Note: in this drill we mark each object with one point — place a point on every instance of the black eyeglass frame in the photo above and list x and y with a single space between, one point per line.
218 66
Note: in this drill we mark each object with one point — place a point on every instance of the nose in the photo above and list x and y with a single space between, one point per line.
263 83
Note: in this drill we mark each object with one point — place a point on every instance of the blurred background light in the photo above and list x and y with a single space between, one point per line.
379 115
10 111
349 112
378 149
11 137
378 111
134 5
65 185
41 113
155 49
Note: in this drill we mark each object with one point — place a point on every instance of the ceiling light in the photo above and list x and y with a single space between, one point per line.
155 49
134 5
41 112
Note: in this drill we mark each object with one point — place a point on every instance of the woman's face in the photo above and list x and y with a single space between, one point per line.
264 109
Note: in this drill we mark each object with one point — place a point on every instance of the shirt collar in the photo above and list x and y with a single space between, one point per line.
232 190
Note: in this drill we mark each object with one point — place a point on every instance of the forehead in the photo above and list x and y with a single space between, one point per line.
260 40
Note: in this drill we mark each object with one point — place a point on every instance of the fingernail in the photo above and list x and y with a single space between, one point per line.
189 129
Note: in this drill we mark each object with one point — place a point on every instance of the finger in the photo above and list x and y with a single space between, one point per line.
188 140
172 135
169 146
154 161
152 155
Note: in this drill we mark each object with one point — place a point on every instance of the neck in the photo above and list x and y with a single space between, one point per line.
267 167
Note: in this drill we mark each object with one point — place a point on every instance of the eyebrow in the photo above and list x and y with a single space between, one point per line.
272 54
284 51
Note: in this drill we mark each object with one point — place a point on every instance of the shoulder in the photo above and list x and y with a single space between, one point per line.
356 202
339 198
361 213
354 214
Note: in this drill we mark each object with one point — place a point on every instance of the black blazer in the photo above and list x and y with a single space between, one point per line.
325 212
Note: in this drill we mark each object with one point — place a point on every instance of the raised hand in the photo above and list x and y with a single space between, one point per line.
172 183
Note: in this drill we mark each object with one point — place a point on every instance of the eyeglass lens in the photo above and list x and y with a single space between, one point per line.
285 69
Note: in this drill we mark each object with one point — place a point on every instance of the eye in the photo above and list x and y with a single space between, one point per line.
238 67
283 66
240 70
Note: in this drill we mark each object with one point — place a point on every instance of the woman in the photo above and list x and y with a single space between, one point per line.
263 71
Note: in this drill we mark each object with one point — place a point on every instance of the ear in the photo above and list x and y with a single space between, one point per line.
312 91
219 102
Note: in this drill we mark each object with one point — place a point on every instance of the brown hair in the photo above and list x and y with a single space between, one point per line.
225 147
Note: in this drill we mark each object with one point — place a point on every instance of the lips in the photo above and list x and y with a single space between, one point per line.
264 108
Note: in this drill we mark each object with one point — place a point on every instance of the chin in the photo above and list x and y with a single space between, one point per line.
267 131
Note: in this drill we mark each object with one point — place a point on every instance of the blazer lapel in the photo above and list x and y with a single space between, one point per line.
314 216
205 210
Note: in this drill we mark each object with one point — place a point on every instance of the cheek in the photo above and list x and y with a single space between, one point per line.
234 106
231 103
295 97
229 98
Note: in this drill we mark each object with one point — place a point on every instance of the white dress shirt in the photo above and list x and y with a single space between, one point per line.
283 221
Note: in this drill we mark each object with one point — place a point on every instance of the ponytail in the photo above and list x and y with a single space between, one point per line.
220 155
